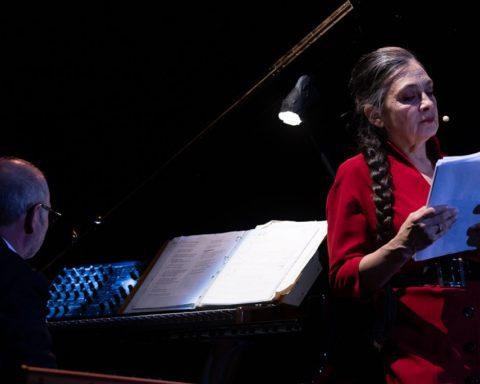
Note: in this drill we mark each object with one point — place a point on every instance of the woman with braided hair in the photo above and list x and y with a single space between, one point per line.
427 329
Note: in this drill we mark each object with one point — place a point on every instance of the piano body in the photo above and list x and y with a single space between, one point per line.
232 344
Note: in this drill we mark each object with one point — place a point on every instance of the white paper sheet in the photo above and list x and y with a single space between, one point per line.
456 182
261 263
295 271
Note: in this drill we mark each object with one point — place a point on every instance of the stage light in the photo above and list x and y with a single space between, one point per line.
297 102
294 109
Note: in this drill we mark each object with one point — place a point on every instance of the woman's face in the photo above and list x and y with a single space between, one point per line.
410 113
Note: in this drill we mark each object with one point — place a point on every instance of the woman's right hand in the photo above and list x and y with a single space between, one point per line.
423 227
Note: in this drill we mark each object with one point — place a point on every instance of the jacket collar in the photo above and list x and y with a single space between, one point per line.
8 245
433 146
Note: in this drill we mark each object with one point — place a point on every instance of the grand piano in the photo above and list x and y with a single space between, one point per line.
104 101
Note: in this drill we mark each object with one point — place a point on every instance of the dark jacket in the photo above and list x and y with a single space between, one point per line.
24 337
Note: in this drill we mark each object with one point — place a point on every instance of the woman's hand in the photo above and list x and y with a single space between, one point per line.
473 232
420 229
424 226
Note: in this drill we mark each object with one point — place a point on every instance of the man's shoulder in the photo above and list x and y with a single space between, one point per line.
12 267
10 258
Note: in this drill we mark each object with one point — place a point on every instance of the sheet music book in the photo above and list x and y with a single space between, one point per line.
259 265
456 182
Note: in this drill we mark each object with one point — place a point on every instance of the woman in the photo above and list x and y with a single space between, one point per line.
377 221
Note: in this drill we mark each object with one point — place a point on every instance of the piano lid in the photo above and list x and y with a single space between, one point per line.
100 97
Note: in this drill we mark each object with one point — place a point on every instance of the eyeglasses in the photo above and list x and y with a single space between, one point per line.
53 215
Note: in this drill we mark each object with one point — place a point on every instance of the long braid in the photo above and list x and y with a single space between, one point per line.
372 144
373 149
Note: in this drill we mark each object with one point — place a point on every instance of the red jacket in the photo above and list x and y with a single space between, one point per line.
437 331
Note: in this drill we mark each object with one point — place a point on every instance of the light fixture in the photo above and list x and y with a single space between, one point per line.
297 101
294 108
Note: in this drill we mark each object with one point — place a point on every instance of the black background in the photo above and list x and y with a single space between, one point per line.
100 95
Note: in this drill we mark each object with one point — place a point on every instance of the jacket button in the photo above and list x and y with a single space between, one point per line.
468 312
470 348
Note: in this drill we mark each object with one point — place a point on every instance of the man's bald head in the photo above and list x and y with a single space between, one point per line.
21 186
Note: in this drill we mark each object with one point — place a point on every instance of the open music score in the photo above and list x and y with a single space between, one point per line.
274 262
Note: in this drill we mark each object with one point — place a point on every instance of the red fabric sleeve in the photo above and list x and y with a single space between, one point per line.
348 236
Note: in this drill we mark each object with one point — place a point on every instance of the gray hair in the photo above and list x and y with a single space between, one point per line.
374 73
21 186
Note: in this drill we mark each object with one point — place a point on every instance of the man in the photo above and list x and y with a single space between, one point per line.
24 210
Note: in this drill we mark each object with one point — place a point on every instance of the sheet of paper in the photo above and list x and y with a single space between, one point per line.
456 183
295 271
184 271
261 262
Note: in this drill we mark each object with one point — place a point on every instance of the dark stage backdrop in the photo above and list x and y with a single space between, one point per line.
100 96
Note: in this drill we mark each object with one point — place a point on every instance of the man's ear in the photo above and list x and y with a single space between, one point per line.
30 217
373 115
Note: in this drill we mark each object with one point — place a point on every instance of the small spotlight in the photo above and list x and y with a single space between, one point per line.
297 101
